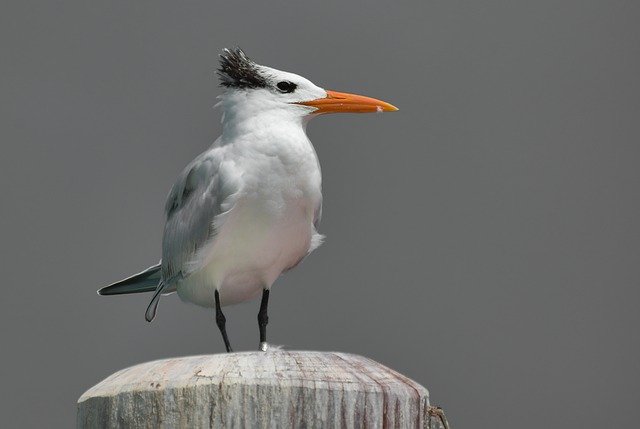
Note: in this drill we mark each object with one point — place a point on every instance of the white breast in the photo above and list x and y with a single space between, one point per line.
269 229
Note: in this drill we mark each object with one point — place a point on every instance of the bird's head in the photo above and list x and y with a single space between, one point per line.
254 88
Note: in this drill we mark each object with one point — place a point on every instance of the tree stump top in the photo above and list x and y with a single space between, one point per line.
256 389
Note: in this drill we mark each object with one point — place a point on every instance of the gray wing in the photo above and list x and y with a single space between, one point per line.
195 210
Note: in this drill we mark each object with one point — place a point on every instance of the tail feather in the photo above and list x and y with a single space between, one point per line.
150 314
146 281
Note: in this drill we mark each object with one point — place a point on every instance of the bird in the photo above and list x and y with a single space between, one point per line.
247 209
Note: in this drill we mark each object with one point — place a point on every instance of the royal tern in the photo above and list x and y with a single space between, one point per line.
247 209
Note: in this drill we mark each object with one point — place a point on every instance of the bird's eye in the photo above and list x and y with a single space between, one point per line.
286 86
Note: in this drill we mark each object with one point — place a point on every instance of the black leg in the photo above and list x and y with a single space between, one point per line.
263 319
221 322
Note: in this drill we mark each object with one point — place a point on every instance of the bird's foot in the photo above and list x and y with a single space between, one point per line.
264 346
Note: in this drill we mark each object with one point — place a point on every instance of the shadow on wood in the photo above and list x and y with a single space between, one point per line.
276 389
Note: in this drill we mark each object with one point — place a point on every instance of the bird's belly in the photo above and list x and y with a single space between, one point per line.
255 245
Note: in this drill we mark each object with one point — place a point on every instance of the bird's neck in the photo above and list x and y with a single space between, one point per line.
242 119
262 125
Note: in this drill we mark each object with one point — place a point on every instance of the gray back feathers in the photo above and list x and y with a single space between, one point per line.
195 209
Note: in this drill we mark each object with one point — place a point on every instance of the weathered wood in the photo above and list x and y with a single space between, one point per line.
276 389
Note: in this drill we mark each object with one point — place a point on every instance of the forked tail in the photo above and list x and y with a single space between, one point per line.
148 280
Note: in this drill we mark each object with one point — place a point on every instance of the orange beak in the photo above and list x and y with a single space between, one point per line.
342 102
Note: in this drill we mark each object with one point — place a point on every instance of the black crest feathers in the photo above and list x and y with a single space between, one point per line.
238 71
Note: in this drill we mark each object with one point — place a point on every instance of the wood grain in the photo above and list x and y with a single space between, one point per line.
276 389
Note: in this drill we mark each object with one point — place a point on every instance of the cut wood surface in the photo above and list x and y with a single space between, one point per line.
274 389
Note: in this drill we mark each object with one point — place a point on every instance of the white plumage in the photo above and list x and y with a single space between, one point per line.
244 211
247 209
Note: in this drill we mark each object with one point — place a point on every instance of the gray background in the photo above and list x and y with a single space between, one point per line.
484 240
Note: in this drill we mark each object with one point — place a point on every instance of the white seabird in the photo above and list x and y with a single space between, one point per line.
247 209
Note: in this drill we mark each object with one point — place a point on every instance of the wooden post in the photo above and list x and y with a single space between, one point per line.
276 389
